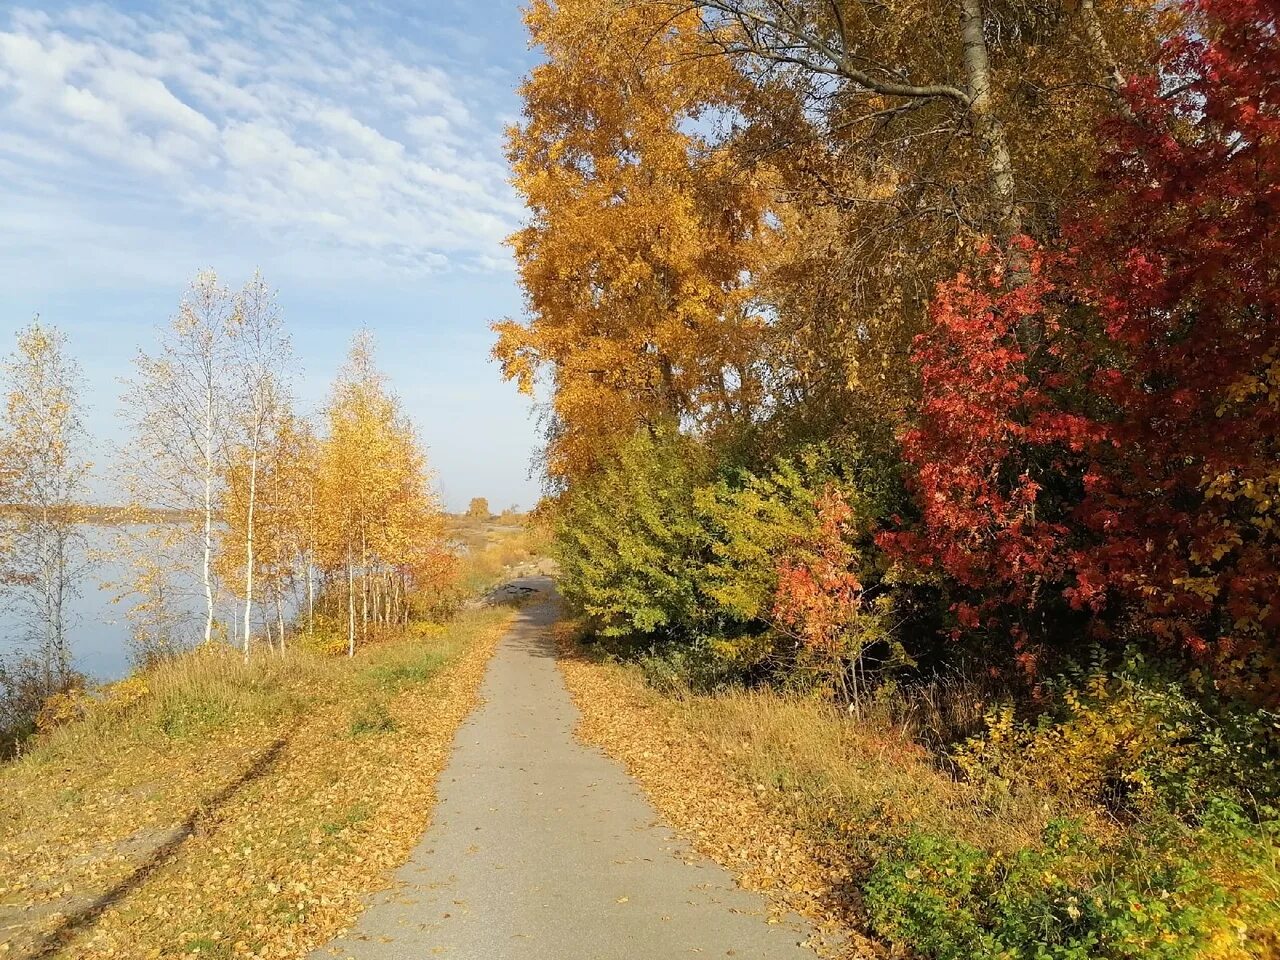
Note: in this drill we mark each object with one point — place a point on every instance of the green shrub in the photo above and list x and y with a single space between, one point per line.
1165 892
629 541
666 550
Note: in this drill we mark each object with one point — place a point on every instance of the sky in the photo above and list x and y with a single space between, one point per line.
351 151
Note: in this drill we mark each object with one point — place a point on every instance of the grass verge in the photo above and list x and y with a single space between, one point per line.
214 809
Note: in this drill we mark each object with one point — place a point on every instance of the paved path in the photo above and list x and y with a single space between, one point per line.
544 849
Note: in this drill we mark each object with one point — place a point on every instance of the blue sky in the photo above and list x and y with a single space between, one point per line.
352 151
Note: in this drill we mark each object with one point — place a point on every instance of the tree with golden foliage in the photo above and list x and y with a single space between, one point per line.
272 500
745 225
42 446
642 235
379 527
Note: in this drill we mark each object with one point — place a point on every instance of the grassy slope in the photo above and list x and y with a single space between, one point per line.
225 810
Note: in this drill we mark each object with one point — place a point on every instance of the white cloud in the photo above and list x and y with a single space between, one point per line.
302 123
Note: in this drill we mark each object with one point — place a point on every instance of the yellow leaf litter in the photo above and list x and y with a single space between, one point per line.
737 824
257 835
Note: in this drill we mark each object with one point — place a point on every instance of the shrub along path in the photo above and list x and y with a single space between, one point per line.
541 847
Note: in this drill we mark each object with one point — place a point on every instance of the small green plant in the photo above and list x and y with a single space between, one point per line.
420 669
350 818
373 718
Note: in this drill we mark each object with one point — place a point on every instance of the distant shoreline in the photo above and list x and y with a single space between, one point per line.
105 515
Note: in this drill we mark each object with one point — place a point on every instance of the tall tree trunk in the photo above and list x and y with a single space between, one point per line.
50 651
351 607
208 511
280 620
1092 26
987 124
248 538
59 602
364 584
311 598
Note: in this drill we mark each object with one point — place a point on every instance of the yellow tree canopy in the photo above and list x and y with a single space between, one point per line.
642 239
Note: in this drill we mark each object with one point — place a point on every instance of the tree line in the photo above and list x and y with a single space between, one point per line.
979 295
324 525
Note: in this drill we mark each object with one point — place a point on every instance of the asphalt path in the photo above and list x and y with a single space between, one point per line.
542 848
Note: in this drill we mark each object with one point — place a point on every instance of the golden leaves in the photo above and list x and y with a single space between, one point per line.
637 258
275 862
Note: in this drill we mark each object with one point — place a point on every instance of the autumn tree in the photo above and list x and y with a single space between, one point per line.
1126 468
42 446
179 406
158 614
1176 259
380 528
642 235
478 509
260 370
899 136
279 490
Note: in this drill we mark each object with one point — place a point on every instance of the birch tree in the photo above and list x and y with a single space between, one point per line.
380 526
43 443
261 357
179 407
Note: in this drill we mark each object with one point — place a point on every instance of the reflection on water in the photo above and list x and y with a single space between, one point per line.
99 629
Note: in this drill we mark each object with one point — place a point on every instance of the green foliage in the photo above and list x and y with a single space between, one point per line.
418 668
698 667
629 541
1160 893
667 550
752 522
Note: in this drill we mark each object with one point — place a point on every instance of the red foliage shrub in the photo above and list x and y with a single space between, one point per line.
1133 454
1180 262
819 594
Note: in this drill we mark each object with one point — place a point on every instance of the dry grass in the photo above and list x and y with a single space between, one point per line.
495 551
843 776
796 797
217 809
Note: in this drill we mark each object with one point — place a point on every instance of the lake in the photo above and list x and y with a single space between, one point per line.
98 629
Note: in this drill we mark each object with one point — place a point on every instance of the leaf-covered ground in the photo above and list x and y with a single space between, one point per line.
730 820
229 811
794 798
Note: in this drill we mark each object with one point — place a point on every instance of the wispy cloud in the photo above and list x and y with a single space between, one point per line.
311 125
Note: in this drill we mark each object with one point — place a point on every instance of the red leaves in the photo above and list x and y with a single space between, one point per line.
1187 291
1134 454
819 595
980 411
